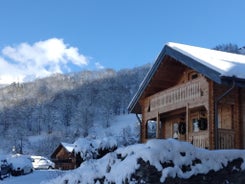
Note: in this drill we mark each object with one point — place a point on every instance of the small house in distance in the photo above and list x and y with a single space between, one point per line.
65 157
194 94
70 156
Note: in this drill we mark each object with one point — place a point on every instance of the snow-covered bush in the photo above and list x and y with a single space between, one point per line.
171 158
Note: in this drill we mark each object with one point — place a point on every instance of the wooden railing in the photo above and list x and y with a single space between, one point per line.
199 139
226 139
181 93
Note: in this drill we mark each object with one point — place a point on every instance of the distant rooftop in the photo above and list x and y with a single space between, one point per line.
68 147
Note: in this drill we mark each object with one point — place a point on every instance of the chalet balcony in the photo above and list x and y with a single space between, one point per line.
177 97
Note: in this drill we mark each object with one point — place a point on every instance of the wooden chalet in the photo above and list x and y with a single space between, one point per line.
65 158
194 94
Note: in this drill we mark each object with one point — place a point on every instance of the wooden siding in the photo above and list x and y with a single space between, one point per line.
168 129
229 113
191 94
243 115
63 159
211 116
225 116
63 154
67 164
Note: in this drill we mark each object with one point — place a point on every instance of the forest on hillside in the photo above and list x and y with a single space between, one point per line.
64 107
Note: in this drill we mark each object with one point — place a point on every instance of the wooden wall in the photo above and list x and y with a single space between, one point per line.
229 111
64 160
243 115
204 92
211 115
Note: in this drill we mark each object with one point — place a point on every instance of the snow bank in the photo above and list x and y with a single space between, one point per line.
90 148
186 161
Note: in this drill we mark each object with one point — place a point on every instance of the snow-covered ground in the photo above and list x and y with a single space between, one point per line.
118 166
123 130
35 177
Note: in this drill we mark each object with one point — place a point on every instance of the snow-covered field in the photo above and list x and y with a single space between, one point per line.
35 177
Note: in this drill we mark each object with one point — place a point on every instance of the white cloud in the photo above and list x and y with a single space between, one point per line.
24 61
99 66
8 72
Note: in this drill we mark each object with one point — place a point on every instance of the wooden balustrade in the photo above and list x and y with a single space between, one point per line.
199 139
178 94
226 138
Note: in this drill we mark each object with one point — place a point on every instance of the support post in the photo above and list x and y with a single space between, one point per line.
216 113
187 117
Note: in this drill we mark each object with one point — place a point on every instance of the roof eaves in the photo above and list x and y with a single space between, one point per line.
194 64
56 151
146 80
228 80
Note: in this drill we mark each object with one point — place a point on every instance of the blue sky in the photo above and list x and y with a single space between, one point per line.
91 34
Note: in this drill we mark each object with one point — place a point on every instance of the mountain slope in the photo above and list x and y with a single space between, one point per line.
63 107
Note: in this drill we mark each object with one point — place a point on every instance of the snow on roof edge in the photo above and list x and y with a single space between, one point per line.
227 64
69 147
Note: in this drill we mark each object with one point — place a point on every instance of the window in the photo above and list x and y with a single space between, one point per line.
195 125
198 120
151 129
176 130
193 75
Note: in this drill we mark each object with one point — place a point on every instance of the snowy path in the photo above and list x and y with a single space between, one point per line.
34 178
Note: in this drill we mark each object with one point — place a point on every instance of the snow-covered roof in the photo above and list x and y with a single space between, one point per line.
216 65
68 147
227 64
